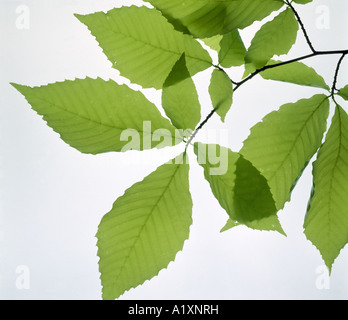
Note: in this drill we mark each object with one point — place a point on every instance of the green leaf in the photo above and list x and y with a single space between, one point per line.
275 37
207 18
96 116
143 45
229 225
232 50
243 13
281 146
180 99
213 42
221 93
252 197
145 229
297 73
191 17
344 92
326 223
238 186
302 1
270 223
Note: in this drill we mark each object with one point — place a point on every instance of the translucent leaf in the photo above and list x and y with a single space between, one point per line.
238 186
243 13
281 146
344 92
297 73
143 45
145 229
229 225
326 223
232 50
96 116
180 99
270 223
206 18
213 42
302 1
275 37
221 93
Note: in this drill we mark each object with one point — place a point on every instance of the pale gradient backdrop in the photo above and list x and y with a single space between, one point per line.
52 197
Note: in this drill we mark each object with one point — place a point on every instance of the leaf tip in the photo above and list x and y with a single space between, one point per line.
19 87
15 85
79 17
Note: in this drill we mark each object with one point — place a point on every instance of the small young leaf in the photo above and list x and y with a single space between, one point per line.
344 92
326 223
180 99
238 186
145 51
297 73
275 37
145 229
232 50
92 115
281 146
221 93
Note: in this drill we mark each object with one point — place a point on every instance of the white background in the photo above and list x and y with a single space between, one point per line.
52 197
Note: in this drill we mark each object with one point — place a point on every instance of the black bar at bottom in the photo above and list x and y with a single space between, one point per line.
159 308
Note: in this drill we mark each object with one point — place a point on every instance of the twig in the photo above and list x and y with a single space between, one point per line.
252 75
298 18
200 127
337 71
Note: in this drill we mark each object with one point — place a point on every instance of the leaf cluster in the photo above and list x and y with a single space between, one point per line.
163 47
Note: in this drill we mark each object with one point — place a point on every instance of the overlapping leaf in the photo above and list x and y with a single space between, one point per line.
302 1
206 18
275 37
143 45
270 223
180 99
326 223
282 144
232 50
344 92
239 187
145 229
96 116
221 93
297 73
213 42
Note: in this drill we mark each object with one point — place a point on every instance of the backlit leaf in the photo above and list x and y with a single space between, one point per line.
302 1
206 18
96 116
344 92
180 99
238 186
221 93
145 229
282 144
297 73
326 223
232 50
143 45
270 223
275 37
